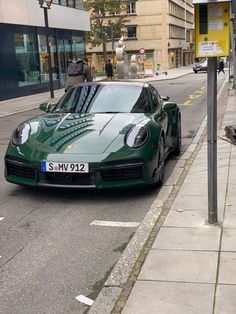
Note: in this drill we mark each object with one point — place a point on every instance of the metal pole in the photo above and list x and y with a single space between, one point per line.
49 54
212 138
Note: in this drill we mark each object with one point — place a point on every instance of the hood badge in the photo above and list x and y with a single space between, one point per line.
69 146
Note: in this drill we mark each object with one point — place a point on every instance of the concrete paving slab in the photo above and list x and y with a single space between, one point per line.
200 189
198 167
170 298
233 161
225 299
232 168
188 218
227 268
182 266
231 199
230 216
196 178
229 240
190 202
222 171
201 239
232 180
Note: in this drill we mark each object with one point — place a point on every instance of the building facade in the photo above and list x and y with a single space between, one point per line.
23 49
159 32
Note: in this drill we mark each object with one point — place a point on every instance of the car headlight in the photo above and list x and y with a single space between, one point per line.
21 134
137 136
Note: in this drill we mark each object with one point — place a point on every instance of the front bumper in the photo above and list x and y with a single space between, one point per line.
123 173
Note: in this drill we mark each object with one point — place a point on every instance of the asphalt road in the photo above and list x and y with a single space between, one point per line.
50 252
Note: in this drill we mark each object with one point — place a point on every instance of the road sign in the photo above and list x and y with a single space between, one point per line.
212 35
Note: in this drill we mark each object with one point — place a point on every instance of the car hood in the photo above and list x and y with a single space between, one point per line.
82 133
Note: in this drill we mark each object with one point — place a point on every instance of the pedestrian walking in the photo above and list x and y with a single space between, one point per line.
221 66
109 70
78 72
93 71
87 70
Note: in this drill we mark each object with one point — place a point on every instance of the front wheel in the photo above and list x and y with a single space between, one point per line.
161 162
177 149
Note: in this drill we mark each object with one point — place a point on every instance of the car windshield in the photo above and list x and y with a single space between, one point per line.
97 98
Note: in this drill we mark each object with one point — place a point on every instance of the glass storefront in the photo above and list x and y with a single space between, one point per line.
64 53
26 60
25 68
43 58
78 47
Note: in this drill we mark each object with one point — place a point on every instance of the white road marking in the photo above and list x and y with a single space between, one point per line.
115 224
1 218
81 298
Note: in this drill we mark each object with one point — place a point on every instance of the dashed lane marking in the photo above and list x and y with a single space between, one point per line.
106 223
81 298
187 103
195 95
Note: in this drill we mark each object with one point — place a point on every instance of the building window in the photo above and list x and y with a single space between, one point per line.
43 58
176 32
187 35
78 47
131 7
77 4
63 2
26 59
132 31
71 3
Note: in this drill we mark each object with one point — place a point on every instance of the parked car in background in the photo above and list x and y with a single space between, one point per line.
200 66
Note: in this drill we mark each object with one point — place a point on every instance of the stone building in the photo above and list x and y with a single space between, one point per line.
158 31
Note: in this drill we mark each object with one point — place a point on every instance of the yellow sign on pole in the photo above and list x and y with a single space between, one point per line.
212 29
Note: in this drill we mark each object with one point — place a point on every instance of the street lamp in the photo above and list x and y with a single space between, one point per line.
45 5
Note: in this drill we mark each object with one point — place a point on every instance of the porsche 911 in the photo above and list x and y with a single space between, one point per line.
98 135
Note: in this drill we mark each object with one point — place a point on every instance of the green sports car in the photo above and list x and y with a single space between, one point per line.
98 135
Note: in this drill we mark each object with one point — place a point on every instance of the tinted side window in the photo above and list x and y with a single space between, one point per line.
156 99
142 105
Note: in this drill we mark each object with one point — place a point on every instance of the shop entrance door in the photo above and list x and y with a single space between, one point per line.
64 52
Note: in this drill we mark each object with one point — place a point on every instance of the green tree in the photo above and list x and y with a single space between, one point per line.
108 19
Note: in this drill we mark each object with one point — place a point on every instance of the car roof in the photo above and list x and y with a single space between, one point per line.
116 83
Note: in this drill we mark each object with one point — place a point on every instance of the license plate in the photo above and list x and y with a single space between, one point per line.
48 166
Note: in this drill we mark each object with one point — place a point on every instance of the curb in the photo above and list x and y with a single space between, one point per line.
118 278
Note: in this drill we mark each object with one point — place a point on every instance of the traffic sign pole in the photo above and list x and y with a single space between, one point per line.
212 138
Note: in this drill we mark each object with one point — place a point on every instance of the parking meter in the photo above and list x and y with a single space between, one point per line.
212 28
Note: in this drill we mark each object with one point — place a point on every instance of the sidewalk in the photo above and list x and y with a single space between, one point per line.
191 267
21 104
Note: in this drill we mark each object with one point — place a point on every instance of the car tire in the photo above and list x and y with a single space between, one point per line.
195 71
177 149
161 162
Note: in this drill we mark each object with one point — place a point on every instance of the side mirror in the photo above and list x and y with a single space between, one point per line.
46 106
165 98
169 106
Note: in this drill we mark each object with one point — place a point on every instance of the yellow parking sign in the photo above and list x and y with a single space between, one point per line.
212 29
